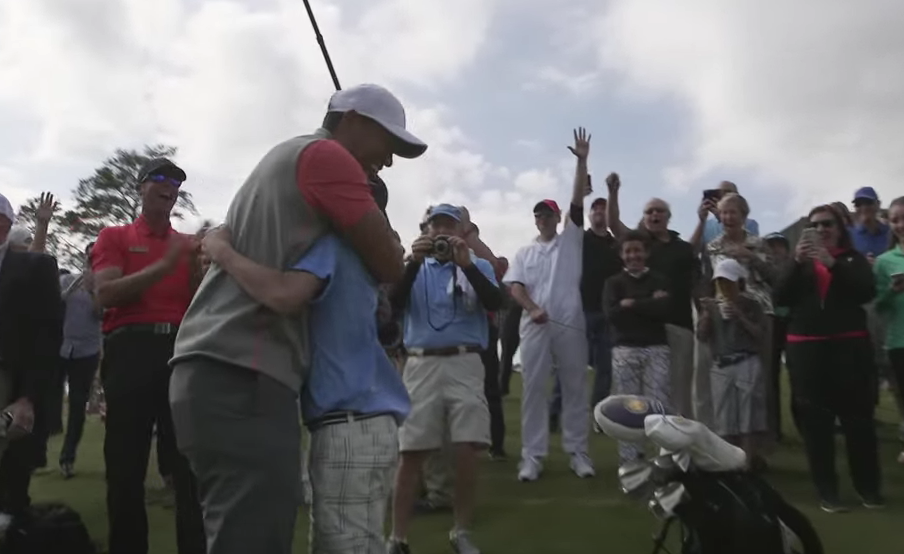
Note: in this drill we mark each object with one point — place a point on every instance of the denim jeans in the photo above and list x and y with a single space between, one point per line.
600 359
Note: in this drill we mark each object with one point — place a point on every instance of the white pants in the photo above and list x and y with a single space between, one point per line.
541 347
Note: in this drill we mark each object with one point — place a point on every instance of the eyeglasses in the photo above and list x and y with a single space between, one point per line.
651 211
822 223
863 202
164 179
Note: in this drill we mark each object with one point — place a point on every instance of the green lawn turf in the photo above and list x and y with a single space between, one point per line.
558 514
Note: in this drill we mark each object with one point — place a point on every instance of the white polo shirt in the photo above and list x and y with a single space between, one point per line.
551 273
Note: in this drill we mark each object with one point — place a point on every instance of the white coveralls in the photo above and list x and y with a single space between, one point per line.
551 274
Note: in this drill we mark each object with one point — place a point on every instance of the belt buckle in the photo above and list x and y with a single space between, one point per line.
163 328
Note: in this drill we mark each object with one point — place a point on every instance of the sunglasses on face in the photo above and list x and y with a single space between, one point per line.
164 179
822 223
651 211
862 203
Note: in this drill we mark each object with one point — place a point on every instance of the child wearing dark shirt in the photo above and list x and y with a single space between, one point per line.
637 306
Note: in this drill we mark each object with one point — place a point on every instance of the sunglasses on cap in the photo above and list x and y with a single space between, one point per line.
822 223
164 179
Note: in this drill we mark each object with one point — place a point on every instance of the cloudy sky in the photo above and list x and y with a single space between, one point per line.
797 101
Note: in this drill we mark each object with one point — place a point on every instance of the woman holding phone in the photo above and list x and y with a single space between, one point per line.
830 357
889 270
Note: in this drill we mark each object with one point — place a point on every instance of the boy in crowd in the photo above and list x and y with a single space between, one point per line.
636 302
732 324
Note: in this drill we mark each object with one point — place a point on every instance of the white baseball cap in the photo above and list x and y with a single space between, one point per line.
377 103
729 269
6 209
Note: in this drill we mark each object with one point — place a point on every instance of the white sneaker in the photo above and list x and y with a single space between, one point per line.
529 469
582 465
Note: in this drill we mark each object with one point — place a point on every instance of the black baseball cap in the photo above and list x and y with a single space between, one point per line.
599 202
161 166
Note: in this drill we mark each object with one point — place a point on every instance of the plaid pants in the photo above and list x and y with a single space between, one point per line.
641 370
352 473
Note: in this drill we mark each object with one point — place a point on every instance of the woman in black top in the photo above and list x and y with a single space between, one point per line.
830 358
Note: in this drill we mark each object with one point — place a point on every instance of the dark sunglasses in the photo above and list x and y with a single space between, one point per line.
164 179
860 203
822 223
651 211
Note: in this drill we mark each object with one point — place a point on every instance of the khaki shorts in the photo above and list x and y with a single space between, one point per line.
446 396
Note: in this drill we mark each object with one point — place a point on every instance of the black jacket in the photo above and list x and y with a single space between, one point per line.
677 260
841 311
643 323
600 261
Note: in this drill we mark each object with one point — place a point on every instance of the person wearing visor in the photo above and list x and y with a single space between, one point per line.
545 279
445 296
145 275
238 364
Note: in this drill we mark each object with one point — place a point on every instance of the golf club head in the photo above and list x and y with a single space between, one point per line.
666 498
634 478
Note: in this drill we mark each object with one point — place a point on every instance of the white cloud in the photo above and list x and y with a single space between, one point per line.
803 94
224 80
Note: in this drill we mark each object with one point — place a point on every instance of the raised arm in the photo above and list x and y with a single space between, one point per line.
613 212
284 292
334 184
43 215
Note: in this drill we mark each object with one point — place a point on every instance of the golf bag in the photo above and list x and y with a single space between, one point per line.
701 482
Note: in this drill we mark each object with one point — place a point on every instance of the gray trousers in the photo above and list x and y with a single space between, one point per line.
241 434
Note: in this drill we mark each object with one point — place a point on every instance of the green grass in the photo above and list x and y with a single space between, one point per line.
558 514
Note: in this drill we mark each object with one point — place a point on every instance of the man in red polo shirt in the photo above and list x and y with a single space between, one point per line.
145 275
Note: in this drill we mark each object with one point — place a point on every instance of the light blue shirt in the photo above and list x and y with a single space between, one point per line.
440 314
713 229
81 326
350 371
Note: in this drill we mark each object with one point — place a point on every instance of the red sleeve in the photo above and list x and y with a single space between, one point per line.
334 184
107 251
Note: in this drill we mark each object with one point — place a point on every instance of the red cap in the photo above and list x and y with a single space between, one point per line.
547 205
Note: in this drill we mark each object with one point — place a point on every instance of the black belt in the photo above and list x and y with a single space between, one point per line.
732 359
145 328
335 418
448 351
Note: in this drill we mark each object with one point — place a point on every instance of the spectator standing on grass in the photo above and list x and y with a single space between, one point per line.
30 334
779 250
79 356
145 274
830 358
545 279
669 255
636 301
446 296
238 365
889 271
733 324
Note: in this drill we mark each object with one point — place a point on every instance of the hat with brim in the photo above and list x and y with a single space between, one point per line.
547 206
376 103
730 270
161 166
447 210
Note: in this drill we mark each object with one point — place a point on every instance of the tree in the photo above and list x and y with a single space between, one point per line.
59 241
111 196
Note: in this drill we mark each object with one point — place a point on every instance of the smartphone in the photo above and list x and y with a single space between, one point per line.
713 194
809 236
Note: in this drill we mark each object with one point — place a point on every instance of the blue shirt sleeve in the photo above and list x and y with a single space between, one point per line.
320 259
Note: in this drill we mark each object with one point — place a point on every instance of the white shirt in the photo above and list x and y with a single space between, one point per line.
551 274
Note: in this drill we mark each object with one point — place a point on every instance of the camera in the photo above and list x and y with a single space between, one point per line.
442 248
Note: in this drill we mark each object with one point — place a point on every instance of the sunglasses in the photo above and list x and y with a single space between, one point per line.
164 179
822 223
651 211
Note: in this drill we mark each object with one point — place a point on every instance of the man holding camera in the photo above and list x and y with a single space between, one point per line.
445 293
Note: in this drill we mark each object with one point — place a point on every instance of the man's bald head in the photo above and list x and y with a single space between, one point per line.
728 186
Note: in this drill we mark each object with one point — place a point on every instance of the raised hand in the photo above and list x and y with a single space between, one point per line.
581 147
46 207
613 183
